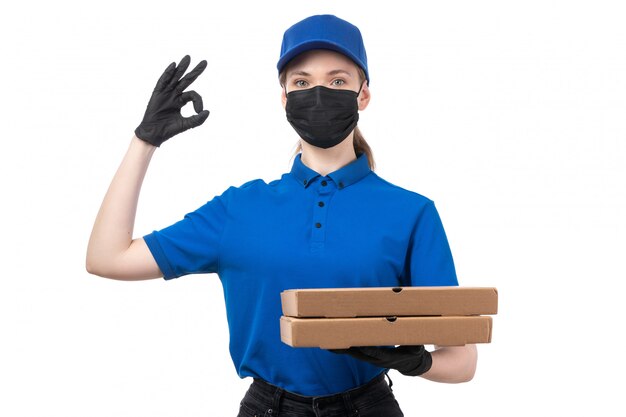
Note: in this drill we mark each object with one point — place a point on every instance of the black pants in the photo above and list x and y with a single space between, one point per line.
374 399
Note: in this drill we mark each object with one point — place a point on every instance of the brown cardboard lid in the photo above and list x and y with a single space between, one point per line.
390 301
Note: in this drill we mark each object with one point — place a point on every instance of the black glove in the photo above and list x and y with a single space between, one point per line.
163 119
409 360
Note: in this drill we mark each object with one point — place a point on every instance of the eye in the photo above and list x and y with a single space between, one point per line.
300 83
338 82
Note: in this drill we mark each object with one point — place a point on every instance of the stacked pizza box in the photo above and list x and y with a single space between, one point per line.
338 318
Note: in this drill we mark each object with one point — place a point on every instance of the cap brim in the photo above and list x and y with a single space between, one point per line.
317 44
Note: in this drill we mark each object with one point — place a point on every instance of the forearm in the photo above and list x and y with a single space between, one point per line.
453 364
112 231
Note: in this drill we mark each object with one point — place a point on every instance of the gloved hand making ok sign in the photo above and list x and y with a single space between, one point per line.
162 119
409 360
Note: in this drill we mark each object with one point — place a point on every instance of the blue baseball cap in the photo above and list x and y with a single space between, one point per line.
323 32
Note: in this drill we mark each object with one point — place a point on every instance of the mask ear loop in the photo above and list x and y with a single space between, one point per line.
360 88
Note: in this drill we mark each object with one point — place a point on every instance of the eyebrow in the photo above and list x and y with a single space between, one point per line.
333 72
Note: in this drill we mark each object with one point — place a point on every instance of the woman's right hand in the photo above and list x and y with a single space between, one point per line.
163 119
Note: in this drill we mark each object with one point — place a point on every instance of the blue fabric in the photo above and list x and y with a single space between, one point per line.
323 32
357 230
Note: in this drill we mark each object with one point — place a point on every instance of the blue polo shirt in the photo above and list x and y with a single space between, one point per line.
349 228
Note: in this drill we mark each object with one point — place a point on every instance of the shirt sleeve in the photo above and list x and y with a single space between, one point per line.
191 245
430 259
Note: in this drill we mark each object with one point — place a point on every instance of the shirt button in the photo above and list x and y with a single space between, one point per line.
340 184
324 183
305 181
318 225
321 204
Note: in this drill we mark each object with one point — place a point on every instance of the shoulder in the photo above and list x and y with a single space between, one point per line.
398 193
242 189
252 184
251 189
258 185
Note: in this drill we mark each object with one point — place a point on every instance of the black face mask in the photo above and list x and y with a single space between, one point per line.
323 116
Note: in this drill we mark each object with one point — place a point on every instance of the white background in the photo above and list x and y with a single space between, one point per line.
509 115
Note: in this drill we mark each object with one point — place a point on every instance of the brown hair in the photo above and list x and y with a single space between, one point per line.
360 144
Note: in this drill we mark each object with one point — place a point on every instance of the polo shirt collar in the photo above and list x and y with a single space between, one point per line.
343 177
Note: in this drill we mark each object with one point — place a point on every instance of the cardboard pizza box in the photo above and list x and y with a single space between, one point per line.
340 333
389 301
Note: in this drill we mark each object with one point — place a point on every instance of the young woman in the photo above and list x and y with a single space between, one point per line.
329 222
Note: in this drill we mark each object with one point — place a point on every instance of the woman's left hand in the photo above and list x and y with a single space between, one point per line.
409 360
